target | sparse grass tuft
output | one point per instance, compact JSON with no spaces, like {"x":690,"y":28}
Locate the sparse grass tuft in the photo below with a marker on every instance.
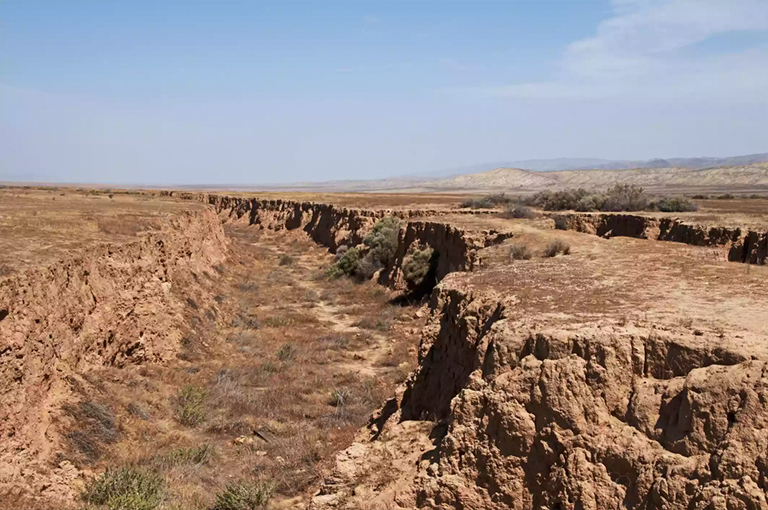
{"x":278,"y":321}
{"x":244,"y":495}
{"x":126,"y":489}
{"x":286,"y":352}
{"x":340,"y":397}
{"x":190,"y":406}
{"x":96,"y":426}
{"x":556,"y":247}
{"x":520,"y":252}
{"x":194,"y":455}
{"x":285,"y":260}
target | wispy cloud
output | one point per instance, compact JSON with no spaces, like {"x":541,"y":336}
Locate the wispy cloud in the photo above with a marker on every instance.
{"x":648,"y":49}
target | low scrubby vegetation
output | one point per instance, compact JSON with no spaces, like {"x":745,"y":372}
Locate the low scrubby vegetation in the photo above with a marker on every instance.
{"x":244,"y":495}
{"x":487,"y":201}
{"x":190,"y":406}
{"x":520,"y":252}
{"x":555,"y":247}
{"x":377,"y":252}
{"x":127,"y":488}
{"x":520,"y":211}
{"x":620,"y":197}
{"x":417,"y":265}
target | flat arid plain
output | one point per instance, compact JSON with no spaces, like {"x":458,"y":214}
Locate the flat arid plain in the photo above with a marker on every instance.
{"x":242,"y":350}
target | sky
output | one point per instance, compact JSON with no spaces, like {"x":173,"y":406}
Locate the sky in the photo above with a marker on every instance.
{"x":266,"y":92}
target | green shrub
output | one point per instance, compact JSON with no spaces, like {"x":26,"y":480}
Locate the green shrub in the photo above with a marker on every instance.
{"x":382,"y":245}
{"x":126,"y":489}
{"x":725,"y":196}
{"x":675,"y":204}
{"x":417,"y":265}
{"x":346,"y":263}
{"x":556,"y":247}
{"x":190,"y":406}
{"x":520,"y":252}
{"x":244,"y":495}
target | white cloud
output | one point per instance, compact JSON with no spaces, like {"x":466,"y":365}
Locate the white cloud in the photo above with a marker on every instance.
{"x":647,"y":49}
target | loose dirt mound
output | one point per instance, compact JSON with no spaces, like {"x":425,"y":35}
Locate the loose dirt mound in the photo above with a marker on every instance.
{"x":501,"y":414}
{"x":115,"y":305}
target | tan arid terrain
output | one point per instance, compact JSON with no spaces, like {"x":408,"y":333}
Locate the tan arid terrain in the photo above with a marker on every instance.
{"x":195,"y":345}
{"x":754,"y":176}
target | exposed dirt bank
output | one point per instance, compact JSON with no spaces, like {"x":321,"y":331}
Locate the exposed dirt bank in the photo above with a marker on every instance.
{"x":113,"y":306}
{"x":503,"y":414}
{"x":741,"y":245}
{"x":331,"y":226}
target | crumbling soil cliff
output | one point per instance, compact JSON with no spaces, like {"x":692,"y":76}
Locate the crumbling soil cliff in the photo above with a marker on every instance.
{"x":739,"y":245}
{"x":456,"y":249}
{"x":114,"y":305}
{"x":503,"y":413}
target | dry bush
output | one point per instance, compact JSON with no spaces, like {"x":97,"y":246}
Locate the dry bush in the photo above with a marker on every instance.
{"x":555,"y":247}
{"x":520,"y":252}
{"x":486,"y":202}
{"x":96,"y":427}
{"x":520,"y":211}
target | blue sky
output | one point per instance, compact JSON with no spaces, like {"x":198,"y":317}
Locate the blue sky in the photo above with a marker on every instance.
{"x":266,"y":92}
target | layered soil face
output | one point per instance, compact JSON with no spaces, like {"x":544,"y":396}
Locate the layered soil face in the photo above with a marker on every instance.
{"x":740,"y":244}
{"x":506,"y":413}
{"x":115,"y":305}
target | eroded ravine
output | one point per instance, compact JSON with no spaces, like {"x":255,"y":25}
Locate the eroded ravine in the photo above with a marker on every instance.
{"x":504,"y":410}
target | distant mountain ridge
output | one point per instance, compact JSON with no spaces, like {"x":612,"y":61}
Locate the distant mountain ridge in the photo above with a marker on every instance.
{"x":558,"y":164}
{"x":511,"y":179}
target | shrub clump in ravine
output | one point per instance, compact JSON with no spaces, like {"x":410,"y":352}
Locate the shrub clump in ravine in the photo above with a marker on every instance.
{"x":377,"y":252}
{"x":620,"y":197}
{"x":486,"y":201}
{"x":126,"y":488}
{"x":417,"y":265}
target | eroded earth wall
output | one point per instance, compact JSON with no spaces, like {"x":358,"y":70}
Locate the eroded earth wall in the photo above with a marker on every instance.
{"x":112,"y":306}
{"x":741,"y":245}
{"x":504,"y":414}
{"x":456,"y":249}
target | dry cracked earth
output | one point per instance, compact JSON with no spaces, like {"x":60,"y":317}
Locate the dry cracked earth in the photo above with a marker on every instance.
{"x":197,"y":342}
